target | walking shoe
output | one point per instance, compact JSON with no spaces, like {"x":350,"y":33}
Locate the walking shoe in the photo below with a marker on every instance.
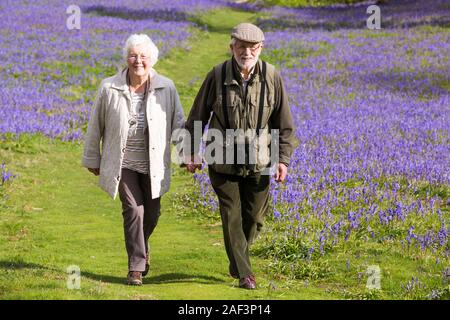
{"x":233,"y":272}
{"x":248,"y":282}
{"x":134,"y":278}
{"x":147,"y":265}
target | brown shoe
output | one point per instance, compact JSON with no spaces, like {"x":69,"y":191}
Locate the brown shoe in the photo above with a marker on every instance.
{"x":233,"y":272}
{"x":134,"y":278}
{"x":147,"y":265}
{"x":248,"y":282}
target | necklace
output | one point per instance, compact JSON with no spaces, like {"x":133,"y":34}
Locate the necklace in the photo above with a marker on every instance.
{"x":147,"y":83}
{"x":143,"y":104}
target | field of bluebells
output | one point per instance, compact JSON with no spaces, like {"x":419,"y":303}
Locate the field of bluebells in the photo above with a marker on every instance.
{"x":371,"y":108}
{"x":372,"y":112}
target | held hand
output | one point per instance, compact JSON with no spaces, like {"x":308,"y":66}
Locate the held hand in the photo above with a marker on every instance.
{"x":193,"y":163}
{"x":191,"y":167}
{"x":95,"y":171}
{"x":281,"y":173}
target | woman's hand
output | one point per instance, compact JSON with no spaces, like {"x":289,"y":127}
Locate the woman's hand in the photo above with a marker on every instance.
{"x":95,"y":171}
{"x":193,"y":163}
{"x":191,"y":167}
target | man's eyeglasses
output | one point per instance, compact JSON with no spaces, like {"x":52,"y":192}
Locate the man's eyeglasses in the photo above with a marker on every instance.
{"x":134,"y":57}
{"x":243,"y":47}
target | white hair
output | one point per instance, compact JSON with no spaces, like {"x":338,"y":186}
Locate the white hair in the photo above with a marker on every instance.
{"x":138,"y":39}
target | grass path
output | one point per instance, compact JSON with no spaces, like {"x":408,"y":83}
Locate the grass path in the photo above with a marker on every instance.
{"x":56,"y":216}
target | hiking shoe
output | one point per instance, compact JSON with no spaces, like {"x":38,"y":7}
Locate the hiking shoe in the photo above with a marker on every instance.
{"x":134,"y":278}
{"x":248,"y":282}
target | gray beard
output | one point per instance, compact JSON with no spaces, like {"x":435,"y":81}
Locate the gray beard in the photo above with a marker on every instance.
{"x":241,"y":66}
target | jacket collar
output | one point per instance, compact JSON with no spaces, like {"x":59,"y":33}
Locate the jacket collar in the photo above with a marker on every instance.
{"x":120,"y":81}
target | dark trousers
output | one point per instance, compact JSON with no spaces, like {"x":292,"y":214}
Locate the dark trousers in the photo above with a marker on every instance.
{"x":243,"y":203}
{"x":140,"y":216}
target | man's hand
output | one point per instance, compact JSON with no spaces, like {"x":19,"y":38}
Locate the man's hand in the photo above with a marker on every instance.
{"x":281,"y":173}
{"x":95,"y":171}
{"x":191,"y":167}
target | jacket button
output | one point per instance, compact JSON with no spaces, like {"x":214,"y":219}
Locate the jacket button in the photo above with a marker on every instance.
{"x":118,"y":178}
{"x":123,"y":150}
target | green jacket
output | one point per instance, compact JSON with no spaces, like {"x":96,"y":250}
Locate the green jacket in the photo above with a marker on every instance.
{"x":243,"y":112}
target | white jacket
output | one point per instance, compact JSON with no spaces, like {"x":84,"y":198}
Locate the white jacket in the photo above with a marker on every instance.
{"x":108,"y":131}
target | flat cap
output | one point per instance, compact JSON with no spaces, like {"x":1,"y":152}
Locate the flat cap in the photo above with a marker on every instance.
{"x":247,"y":32}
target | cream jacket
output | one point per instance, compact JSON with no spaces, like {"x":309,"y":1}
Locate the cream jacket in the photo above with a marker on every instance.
{"x":107,"y":131}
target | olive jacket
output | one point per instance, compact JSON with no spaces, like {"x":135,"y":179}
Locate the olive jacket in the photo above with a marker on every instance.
{"x":242,"y":111}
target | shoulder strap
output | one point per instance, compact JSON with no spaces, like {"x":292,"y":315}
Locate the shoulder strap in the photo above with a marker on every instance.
{"x":224,"y":96}
{"x":261,"y":97}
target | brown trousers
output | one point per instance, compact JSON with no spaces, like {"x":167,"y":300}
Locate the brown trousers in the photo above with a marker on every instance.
{"x":140,"y":216}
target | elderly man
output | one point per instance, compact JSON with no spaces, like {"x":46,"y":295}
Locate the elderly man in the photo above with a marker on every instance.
{"x":243,"y":93}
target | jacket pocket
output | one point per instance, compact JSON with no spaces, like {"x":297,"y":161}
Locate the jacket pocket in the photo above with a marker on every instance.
{"x":254,"y":110}
{"x":232,"y":112}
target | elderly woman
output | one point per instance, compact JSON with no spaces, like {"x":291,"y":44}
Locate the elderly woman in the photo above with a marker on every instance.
{"x":128,"y":145}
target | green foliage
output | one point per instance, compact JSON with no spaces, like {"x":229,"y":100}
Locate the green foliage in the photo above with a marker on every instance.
{"x":89,"y":74}
{"x":24,"y":143}
{"x":300,"y":269}
{"x":416,"y":289}
{"x":307,"y":3}
{"x":190,"y":200}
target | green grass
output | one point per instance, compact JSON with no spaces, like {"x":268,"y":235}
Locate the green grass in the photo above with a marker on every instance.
{"x":56,"y":216}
